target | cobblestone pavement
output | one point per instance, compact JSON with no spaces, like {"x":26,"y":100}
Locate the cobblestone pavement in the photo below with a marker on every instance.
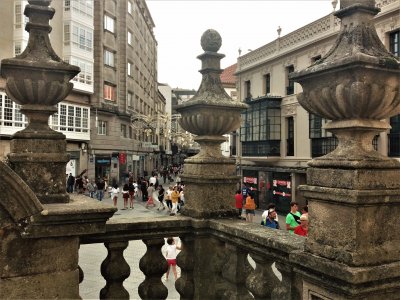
{"x":91,"y":256}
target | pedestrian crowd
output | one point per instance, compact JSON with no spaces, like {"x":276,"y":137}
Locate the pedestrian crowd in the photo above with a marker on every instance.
{"x":148,"y":190}
{"x":296,"y":222}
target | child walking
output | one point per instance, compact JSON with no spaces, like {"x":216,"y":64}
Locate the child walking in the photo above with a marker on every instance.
{"x":114,"y":194}
{"x":170,"y":255}
{"x":125,"y":195}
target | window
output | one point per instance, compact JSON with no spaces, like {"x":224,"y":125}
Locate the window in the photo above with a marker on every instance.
{"x":322,"y":141}
{"x":10,"y":114}
{"x":247,"y":91}
{"x":290,"y":137}
{"x":261,"y":129}
{"x":394,"y":136}
{"x":130,"y":132}
{"x":129,"y":38}
{"x":70,"y":118}
{"x":18,"y":16}
{"x":82,"y":7}
{"x":17,"y":49}
{"x":67,"y":5}
{"x":123,"y":130}
{"x":129,"y":68}
{"x":290,"y":85}
{"x":67,"y":34}
{"x":108,"y":58}
{"x":130,"y":99}
{"x":109,"y":23}
{"x":130,"y":7}
{"x":109,"y":92}
{"x":267,"y":81}
{"x":80,"y":36}
{"x":101,"y":127}
{"x":394,"y":43}
{"x":85,"y":76}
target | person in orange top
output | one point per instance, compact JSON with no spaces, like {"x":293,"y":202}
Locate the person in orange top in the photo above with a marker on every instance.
{"x":250,"y":206}
{"x":174,"y":199}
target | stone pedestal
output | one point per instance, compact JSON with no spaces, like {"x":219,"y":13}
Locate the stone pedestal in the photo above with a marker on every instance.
{"x":210,"y":178}
{"x":352,"y":250}
{"x":41,"y":164}
{"x":210,"y":187}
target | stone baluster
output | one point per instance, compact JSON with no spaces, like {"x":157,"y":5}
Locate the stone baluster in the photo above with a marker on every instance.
{"x":235,"y":272}
{"x":115,"y":270}
{"x":185,"y":260}
{"x":154,"y":266}
{"x":262,"y":280}
{"x":291,"y":285}
{"x":81,"y":274}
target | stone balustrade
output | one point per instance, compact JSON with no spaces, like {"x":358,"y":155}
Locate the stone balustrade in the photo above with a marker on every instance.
{"x":230,"y":242}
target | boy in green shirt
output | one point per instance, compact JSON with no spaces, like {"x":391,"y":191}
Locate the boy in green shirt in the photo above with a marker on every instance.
{"x":293,"y":218}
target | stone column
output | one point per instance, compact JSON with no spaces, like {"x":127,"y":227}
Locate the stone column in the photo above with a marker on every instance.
{"x":38,"y":79}
{"x":39,"y":224}
{"x":353,"y":192}
{"x":210,"y":178}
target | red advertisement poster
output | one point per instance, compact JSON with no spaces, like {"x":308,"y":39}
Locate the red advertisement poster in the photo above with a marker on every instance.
{"x":122,"y":158}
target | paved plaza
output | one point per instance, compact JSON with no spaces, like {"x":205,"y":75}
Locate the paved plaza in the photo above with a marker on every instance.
{"x":91,"y":256}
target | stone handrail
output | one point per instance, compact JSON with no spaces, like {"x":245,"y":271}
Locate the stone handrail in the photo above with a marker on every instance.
{"x":230,"y":242}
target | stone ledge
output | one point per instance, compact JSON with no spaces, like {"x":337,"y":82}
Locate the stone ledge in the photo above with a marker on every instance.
{"x":81,"y":216}
{"x":351,"y":197}
{"x":347,"y":280}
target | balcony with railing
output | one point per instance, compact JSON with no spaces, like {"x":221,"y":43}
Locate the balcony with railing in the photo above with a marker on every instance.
{"x":261,"y":148}
{"x":242,"y":257}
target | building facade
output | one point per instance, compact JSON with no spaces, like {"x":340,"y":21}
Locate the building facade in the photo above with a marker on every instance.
{"x":278,"y":137}
{"x":72,"y":40}
{"x":115,"y":47}
{"x":125,"y":75}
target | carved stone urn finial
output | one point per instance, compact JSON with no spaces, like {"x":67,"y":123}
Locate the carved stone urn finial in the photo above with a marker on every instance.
{"x":209,"y":115}
{"x":356,"y":86}
{"x":38,"y":79}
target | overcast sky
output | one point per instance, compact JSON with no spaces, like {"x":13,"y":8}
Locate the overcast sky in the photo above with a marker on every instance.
{"x":247,"y":24}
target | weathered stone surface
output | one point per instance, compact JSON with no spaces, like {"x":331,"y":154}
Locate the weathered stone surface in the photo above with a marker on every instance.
{"x":58,"y":285}
{"x":21,"y":257}
{"x":339,"y":281}
{"x":355,"y":236}
{"x":16,"y":198}
{"x":356,"y":179}
{"x":353,"y":192}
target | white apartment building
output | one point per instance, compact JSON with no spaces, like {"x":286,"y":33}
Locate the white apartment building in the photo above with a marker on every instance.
{"x":72,"y":40}
{"x":278,"y":137}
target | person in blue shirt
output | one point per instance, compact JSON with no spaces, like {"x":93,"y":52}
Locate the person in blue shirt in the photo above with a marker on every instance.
{"x":270,"y":220}
{"x":245,"y":191}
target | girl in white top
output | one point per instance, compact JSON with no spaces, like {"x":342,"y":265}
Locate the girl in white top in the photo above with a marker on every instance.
{"x":114,"y":194}
{"x":170,"y":255}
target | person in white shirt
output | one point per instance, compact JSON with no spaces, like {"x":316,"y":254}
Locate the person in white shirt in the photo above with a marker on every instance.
{"x":114,"y":194}
{"x":170,"y":255}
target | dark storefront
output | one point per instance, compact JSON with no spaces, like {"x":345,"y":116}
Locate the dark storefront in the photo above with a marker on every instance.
{"x":281,"y":190}
{"x":272,"y":186}
{"x":102,"y":166}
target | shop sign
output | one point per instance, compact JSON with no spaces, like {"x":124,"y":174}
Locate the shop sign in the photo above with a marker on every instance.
{"x":103,"y":161}
{"x":147,"y":144}
{"x":252,"y":180}
{"x":135,"y":157}
{"x":122,"y":158}
{"x":281,"y":183}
